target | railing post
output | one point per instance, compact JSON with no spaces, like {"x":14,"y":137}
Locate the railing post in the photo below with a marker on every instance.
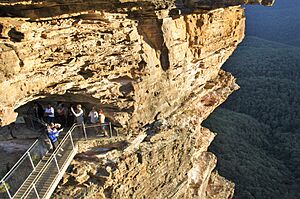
{"x":72,"y":140}
{"x":32,"y":124}
{"x":7,"y":190}
{"x":30,"y":160}
{"x":110,"y":129}
{"x":84,"y":130}
{"x":55,"y":160}
{"x":36,"y":192}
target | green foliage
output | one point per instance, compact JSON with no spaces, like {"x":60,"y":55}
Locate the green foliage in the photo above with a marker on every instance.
{"x":269,"y":76}
{"x":241,"y":146}
{"x":264,"y":158}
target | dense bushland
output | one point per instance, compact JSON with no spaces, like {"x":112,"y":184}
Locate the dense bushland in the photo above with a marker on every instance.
{"x":242,"y":149}
{"x":261,"y":155}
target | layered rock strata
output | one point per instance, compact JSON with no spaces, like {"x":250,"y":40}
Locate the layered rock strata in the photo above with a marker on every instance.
{"x":156,"y":73}
{"x":169,"y":161}
{"x":140,"y":68}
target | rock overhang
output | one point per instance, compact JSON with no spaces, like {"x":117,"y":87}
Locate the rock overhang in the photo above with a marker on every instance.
{"x":67,"y":63}
{"x":128,"y":62}
{"x":146,"y":23}
{"x":40,"y":9}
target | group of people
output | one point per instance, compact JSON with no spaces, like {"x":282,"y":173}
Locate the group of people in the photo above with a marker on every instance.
{"x":59,"y":117}
{"x":67,"y":116}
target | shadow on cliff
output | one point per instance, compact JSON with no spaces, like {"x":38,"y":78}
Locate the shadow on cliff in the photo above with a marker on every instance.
{"x":150,"y":28}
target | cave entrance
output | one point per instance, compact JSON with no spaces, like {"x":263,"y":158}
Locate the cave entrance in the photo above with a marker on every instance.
{"x":32,"y":117}
{"x":61,"y":105}
{"x":31,"y":125}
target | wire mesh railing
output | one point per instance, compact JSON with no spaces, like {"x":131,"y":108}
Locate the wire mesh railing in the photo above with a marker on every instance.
{"x":18,"y":174}
{"x":53,"y":168}
{"x":96,"y":130}
{"x":49,"y":171}
{"x":39,"y":186}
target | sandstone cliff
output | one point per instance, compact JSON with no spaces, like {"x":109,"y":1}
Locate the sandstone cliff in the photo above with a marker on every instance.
{"x":155,"y":68}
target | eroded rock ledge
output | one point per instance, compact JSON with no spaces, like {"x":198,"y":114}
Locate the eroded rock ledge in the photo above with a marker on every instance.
{"x":169,"y":161}
{"x":156,"y":72}
{"x":141,"y":68}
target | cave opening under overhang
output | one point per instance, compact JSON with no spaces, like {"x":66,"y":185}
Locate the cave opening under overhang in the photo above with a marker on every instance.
{"x":70,"y":99}
{"x":18,"y":136}
{"x":26,"y":111}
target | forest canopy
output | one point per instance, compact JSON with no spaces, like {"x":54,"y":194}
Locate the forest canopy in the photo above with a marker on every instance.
{"x":261,"y":155}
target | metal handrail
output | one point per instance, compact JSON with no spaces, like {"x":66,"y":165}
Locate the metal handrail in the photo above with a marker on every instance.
{"x":101,"y":124}
{"x":50,"y":158}
{"x":35,"y":142}
{"x":59,"y":168}
{"x":97,"y":124}
{"x":63,"y":141}
{"x":34,"y":119}
{"x":24,"y":155}
{"x":69,"y":133}
{"x":18,"y":162}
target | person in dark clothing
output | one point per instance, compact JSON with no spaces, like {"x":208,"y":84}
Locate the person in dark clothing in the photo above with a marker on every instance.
{"x":70,"y":116}
{"x":38,"y":110}
{"x":61,"y":114}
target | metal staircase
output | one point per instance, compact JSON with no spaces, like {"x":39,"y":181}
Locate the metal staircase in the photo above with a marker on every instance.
{"x":37,"y":173}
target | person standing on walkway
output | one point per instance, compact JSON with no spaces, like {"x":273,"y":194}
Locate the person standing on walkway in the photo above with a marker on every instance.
{"x":38,"y":110}
{"x":53,"y":134}
{"x":102,"y":121}
{"x":62,"y":114}
{"x":78,"y":113}
{"x":70,"y":116}
{"x":49,"y":113}
{"x":94,"y":117}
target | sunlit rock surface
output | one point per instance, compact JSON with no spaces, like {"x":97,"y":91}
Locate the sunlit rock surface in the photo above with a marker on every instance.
{"x":141,"y":68}
{"x":154,"y":66}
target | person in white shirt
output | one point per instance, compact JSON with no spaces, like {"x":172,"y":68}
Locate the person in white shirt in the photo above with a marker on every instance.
{"x":49,"y":113}
{"x":94,"y":117}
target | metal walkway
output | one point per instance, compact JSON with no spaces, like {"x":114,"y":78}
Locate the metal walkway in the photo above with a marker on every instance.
{"x":38,"y":172}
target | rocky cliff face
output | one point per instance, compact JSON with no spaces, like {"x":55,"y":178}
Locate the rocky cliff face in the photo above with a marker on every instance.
{"x":155,"y":69}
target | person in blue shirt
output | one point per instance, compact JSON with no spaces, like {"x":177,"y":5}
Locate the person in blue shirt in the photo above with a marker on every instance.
{"x":53,"y":134}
